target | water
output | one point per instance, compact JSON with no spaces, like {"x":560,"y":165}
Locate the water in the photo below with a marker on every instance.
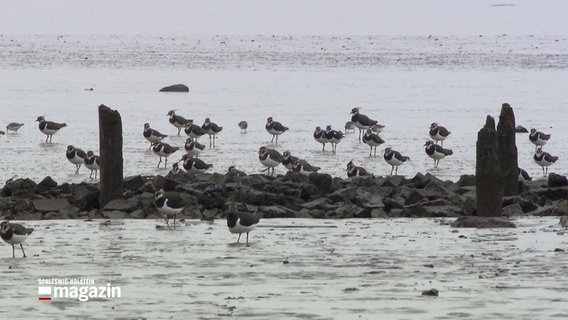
{"x":405,"y":83}
{"x":294,"y":269}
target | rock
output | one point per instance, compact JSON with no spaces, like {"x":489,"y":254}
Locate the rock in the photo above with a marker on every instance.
{"x":556,"y":180}
{"x":269,"y":212}
{"x":175,"y":88}
{"x":469,"y":207}
{"x":564,"y":221}
{"x":50,"y":205}
{"x":466,"y":180}
{"x":115,"y":214}
{"x":482,"y":222}
{"x":125,"y":205}
{"x":561,"y":208}
{"x":521,"y":129}
{"x":134,"y":183}
{"x":512,"y":210}
{"x":22,"y":188}
{"x":322,"y":182}
{"x":46,"y":184}
{"x":430,"y":292}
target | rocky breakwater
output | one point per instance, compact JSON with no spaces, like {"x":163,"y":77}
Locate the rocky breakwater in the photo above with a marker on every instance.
{"x":285,"y":196}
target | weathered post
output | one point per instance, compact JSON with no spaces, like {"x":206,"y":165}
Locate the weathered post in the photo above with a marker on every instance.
{"x":489,"y":182}
{"x":110,"y":144}
{"x":507,"y":150}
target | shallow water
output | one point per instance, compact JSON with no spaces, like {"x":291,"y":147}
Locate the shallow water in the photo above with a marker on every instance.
{"x":301,"y":269}
{"x":405,"y":83}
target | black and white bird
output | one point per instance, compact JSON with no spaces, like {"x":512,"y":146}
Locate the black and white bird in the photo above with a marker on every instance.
{"x":438,"y":133}
{"x":152,"y":135}
{"x":303,"y":167}
{"x":177,"y":121}
{"x":524,"y":175}
{"x":14,"y":127}
{"x":356,"y":171}
{"x":194,"y":164}
{"x":538,"y":138}
{"x":395,"y":159}
{"x":320,"y":137}
{"x":49,"y":128}
{"x":93,"y":163}
{"x":377,"y":128}
{"x":194,"y":130}
{"x":275,"y":128}
{"x":212,"y":130}
{"x":13,"y":233}
{"x":193,"y":147}
{"x":361,"y":121}
{"x":544,"y":159}
{"x":240,"y":222}
{"x":165,"y":150}
{"x":288,"y":160}
{"x":233,"y":171}
{"x":269,"y":158}
{"x":243,"y":125}
{"x":372,"y":140}
{"x":436,"y":152}
{"x":76,"y":156}
{"x":169,"y":204}
{"x":175,"y":169}
{"x":333,"y":137}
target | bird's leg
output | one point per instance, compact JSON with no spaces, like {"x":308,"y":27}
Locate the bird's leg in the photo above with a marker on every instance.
{"x":396,"y":171}
{"x":360,"y":134}
{"x":159,"y":162}
{"x":91,"y":175}
{"x":247,"y":238}
{"x":13,"y":254}
{"x":276,"y":140}
{"x":392,"y":168}
{"x":22,"y":247}
{"x":323,"y":149}
{"x":239,"y":238}
{"x":442,"y":143}
{"x":166,"y":162}
{"x":179,"y":130}
{"x":175,"y":220}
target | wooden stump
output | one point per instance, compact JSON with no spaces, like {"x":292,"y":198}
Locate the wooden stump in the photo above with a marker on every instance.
{"x":110,"y":144}
{"x":507,"y":150}
{"x":488,"y":177}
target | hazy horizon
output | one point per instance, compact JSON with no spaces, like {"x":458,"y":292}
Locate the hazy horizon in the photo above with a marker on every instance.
{"x":292,"y":17}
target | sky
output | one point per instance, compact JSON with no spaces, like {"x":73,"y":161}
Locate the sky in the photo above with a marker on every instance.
{"x":284,"y":17}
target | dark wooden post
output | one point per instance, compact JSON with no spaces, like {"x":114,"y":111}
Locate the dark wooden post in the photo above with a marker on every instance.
{"x":110,"y":144}
{"x":507,"y":149}
{"x":489,"y":182}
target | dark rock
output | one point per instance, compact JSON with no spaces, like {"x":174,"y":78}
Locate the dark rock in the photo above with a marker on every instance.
{"x":269,"y":212}
{"x":556,"y":180}
{"x":521,"y":129}
{"x":430,"y":292}
{"x":175,"y":88}
{"x":22,"y":188}
{"x":322,"y":182}
{"x":420,"y":180}
{"x":393,"y":181}
{"x":134,"y":183}
{"x":49,"y":205}
{"x":391,"y":204}
{"x":469,"y":207}
{"x":125,"y":205}
{"x":564,"y":221}
{"x":466,"y":180}
{"x":482,"y":222}
{"x":46,"y":184}
{"x":416,"y":196}
{"x":512,"y":210}
{"x":561,"y":208}
{"x":115,"y":214}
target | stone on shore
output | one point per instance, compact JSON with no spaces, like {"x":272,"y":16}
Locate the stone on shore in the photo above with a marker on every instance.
{"x":175,"y":88}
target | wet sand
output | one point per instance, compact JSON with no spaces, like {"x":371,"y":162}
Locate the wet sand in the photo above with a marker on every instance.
{"x":294,"y":269}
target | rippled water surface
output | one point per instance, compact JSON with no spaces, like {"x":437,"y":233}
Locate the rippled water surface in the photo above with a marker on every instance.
{"x":293,"y":269}
{"x":405,"y":83}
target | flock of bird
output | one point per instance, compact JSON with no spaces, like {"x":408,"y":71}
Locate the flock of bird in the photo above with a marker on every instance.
{"x":242,"y":222}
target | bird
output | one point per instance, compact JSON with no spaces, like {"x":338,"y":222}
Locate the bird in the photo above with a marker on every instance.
{"x":76,"y":156}
{"x":14,"y":127}
{"x":523,"y":175}
{"x":212,"y":130}
{"x":240,"y":222}
{"x":372,"y":140}
{"x":355,"y":171}
{"x":395,"y":159}
{"x":538,"y":138}
{"x":438,"y":133}
{"x":93,"y":163}
{"x":243,"y":125}
{"x":175,"y":169}
{"x":333,"y":136}
{"x":194,"y":131}
{"x":349,"y":126}
{"x":288,"y":160}
{"x":169,"y":204}
{"x":436,"y":152}
{"x":275,"y":128}
{"x":544,"y":159}
{"x":319,"y":136}
{"x":377,"y":128}
{"x":49,"y":128}
{"x":361,"y":121}
{"x":303,"y":167}
{"x":163,"y":149}
{"x":13,"y":233}
{"x":177,"y":121}
{"x":193,"y":164}
{"x":233,"y":171}
{"x":269,"y":158}
{"x":193,"y":147}
{"x":152,"y":135}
